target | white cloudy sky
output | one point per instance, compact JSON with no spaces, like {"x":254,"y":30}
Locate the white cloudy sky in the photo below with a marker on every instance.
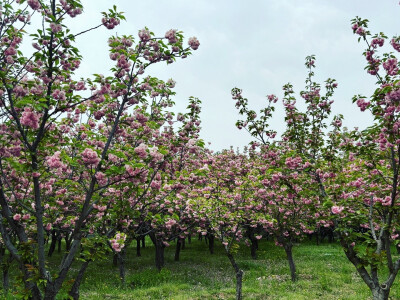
{"x":257,"y":45}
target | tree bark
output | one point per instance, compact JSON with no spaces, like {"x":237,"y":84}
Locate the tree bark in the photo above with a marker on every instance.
{"x":121,"y":261}
{"x":178,"y":249}
{"x":59,"y":244}
{"x":183,"y":244}
{"x":68,"y":241}
{"x":378,"y":293}
{"x":239,"y":275}
{"x":5,"y":263}
{"x":138,"y":254}
{"x":159,"y":254}
{"x":55,"y":235}
{"x":74,"y":292}
{"x":292,"y":266}
{"x":211,"y":243}
{"x":115,"y":259}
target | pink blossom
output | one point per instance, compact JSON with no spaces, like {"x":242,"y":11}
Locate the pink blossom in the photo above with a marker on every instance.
{"x":101,"y":178}
{"x":141,"y":151}
{"x":55,"y":27}
{"x":360,"y":31}
{"x":362,"y":104}
{"x":171,"y":36}
{"x":157,"y":156}
{"x":391,"y":66}
{"x":90,"y":157}
{"x":337,"y":209}
{"x":395,"y":44}
{"x":17,"y":217}
{"x":34,"y":4}
{"x":144,"y":35}
{"x":54,"y":161}
{"x":116,"y":247}
{"x":194,"y":43}
{"x":30,"y":118}
{"x":110,"y":23}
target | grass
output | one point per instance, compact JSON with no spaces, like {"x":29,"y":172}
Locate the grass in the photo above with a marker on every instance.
{"x":324,"y":273}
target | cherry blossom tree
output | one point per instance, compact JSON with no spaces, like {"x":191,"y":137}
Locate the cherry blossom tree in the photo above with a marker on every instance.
{"x":59,"y":135}
{"x":368,"y":187}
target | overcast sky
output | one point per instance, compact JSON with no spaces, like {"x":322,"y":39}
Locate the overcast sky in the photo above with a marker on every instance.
{"x":256,"y":45}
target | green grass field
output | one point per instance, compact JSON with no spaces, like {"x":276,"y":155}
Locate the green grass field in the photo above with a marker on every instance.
{"x":324,"y":273}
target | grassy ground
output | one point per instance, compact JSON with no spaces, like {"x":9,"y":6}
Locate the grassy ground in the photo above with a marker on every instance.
{"x":324,"y":273}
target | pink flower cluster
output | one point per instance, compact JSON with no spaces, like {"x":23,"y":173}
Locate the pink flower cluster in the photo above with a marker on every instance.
{"x":141,"y":151}
{"x":293,"y":162}
{"x":157,"y":156}
{"x":395,"y":44}
{"x":71,"y":11}
{"x":55,"y":27}
{"x":362,"y":104}
{"x":101,"y":178}
{"x":394,"y":96}
{"x":373,"y":62}
{"x":54,"y":161}
{"x":272,"y":98}
{"x":358,"y":30}
{"x":110,"y":23}
{"x":377,"y":42}
{"x":30,"y":118}
{"x":144,"y":35}
{"x":387,"y":201}
{"x":337,"y":209}
{"x":117,"y":243}
{"x":90,"y":157}
{"x":34,"y":4}
{"x":391,"y":66}
{"x":171,"y":36}
{"x":194,"y":43}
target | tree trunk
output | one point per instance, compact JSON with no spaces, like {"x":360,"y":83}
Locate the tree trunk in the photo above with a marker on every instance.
{"x":6,"y":279}
{"x":159,"y":255}
{"x":68,"y":241}
{"x":253,"y":241}
{"x":253,"y":249}
{"x":211,"y":243}
{"x":50,"y":294}
{"x":6,"y":267}
{"x":74,"y":292}
{"x":183,"y":243}
{"x":239,"y":275}
{"x":115,"y":259}
{"x":138,"y":254}
{"x":143,"y":242}
{"x":59,"y":244}
{"x":54,"y":239}
{"x":178,"y":249}
{"x":292,"y":266}
{"x":121,"y":261}
{"x":190,"y":238}
{"x":380,"y":294}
